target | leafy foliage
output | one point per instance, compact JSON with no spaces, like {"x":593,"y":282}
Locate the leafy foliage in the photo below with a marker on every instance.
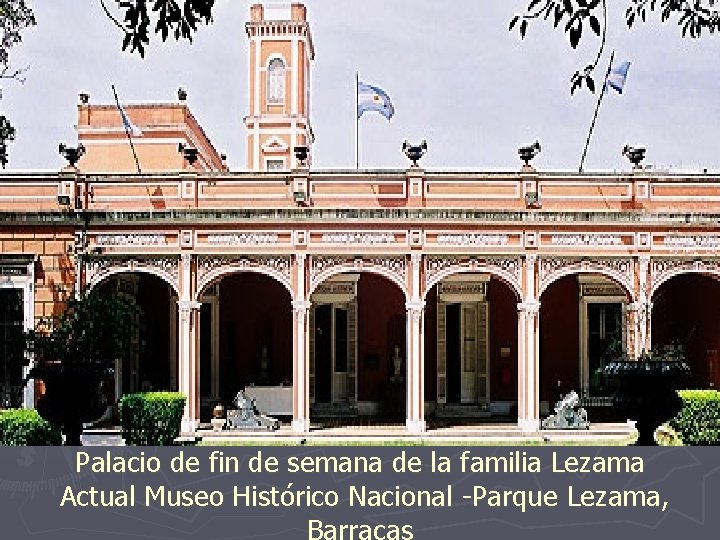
{"x":7,"y":135}
{"x":151,"y":418}
{"x":27,"y":428}
{"x":693,"y":16}
{"x":698,"y":423}
{"x":77,"y":353}
{"x":15,"y":16}
{"x":179,"y":19}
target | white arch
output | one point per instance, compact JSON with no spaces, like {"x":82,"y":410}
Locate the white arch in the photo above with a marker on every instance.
{"x":467,"y":268}
{"x":350,"y":268}
{"x":222,"y":271}
{"x":574,"y":269}
{"x":113,"y":271}
{"x":709,"y":271}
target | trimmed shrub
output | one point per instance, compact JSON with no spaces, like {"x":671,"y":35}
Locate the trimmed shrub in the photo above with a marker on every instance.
{"x":698,"y":423}
{"x":24,"y":427}
{"x":151,"y":418}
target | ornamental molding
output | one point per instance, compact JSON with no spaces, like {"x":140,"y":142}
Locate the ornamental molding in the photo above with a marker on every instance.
{"x":165,"y":267}
{"x":131,"y":239}
{"x":621,"y":269}
{"x":662,"y":269}
{"x":696,"y":241}
{"x":601,"y":240}
{"x":242,"y":239}
{"x":358,"y":238}
{"x":438,"y":267}
{"x":473,"y":239}
{"x":394,"y":268}
{"x":211,"y":267}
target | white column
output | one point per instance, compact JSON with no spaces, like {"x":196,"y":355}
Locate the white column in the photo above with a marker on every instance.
{"x":528,"y":367}
{"x":301,"y":394}
{"x":188,"y":320}
{"x":187,"y":348}
{"x":644,"y":307}
{"x":29,"y":324}
{"x":301,"y":375}
{"x":415,"y":408}
{"x":528,"y":353}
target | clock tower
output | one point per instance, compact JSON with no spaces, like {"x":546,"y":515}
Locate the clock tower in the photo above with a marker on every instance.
{"x":280,"y":53}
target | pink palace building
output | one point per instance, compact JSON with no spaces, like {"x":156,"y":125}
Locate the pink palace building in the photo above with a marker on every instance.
{"x":406,"y":295}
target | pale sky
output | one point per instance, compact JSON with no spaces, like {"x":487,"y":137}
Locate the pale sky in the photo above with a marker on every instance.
{"x":456,"y":76}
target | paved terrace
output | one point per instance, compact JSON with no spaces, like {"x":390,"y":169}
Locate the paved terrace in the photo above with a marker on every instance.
{"x":461,"y":435}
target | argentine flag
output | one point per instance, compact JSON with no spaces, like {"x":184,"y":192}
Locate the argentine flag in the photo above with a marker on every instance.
{"x":617,"y":76}
{"x":372,"y":98}
{"x":130,"y":128}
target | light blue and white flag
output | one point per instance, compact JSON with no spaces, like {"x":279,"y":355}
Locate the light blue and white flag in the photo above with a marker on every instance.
{"x":617,"y":76}
{"x":372,"y":98}
{"x":130,"y":128}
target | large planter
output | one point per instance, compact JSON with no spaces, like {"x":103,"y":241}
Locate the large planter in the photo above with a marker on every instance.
{"x":72,"y":396}
{"x":646,"y":391}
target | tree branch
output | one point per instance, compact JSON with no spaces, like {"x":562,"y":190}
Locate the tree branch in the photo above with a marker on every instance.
{"x":112,"y":17}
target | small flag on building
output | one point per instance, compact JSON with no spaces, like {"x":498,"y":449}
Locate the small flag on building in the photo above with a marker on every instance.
{"x":130,"y":128}
{"x":617,"y":76}
{"x":373,"y":98}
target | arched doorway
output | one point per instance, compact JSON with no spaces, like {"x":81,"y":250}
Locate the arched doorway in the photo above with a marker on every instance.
{"x":245,"y":343}
{"x":471,"y":356}
{"x":685,"y":321}
{"x":583,"y":325}
{"x":357,"y":345}
{"x":153,"y":366}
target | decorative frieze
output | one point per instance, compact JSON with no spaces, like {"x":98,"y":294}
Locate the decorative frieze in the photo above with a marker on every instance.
{"x":463,"y":288}
{"x":698,"y":241}
{"x":131,"y":239}
{"x":662,"y":269}
{"x":358,"y":238}
{"x":601,"y":289}
{"x":242,"y":239}
{"x":586,"y":240}
{"x":98,"y":268}
{"x":437,"y":268}
{"x":473,"y":239}
{"x":321,"y":267}
{"x":279,"y":265}
{"x":337,"y":288}
{"x":553,"y":268}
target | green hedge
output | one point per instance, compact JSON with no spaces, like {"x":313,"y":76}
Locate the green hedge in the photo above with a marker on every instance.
{"x":698,"y":423}
{"x":151,"y":418}
{"x":23,"y":427}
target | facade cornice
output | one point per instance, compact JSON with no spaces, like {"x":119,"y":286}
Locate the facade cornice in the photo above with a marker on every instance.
{"x":399,"y":216}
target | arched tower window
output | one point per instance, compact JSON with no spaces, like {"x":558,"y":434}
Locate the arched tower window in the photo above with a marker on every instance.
{"x":276,"y":81}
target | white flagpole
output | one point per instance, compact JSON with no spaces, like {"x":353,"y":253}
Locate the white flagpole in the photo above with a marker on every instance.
{"x":357,"y":123}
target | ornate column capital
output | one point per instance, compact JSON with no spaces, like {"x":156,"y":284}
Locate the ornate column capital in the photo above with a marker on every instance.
{"x":301,"y":306}
{"x":415,"y":305}
{"x":188,"y":305}
{"x":530,"y":306}
{"x":415,"y":309}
